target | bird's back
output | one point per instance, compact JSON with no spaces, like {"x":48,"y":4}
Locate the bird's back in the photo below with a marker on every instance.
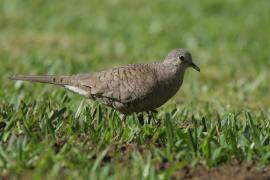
{"x":125,"y":88}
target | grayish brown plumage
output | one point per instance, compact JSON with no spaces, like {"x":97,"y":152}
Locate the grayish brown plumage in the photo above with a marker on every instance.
{"x":130,"y":88}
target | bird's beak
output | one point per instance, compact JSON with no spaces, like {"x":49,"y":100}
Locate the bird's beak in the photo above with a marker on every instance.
{"x":194,"y":66}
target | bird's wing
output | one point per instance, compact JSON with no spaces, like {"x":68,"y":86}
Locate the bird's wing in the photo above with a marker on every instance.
{"x":123,"y":84}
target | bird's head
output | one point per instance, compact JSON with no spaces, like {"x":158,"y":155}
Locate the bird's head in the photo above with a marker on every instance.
{"x":181,"y":58}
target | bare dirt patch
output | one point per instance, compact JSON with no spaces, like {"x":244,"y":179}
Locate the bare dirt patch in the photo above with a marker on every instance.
{"x":227,"y":171}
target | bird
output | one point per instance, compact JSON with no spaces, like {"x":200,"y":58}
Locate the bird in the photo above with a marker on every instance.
{"x":132,"y":88}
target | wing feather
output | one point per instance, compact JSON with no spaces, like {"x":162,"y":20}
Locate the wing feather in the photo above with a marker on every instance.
{"x":123,"y":84}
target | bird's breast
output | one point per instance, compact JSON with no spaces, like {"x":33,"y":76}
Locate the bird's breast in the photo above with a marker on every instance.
{"x":168,"y":89}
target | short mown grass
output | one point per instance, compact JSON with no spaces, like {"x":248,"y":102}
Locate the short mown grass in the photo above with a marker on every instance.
{"x":219,"y":115}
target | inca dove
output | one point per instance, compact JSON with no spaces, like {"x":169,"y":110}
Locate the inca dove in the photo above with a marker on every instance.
{"x":130,"y":88}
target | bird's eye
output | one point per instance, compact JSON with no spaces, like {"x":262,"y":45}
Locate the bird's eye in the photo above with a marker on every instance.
{"x":182,"y":58}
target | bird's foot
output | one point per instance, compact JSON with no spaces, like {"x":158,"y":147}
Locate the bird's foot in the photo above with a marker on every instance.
{"x":151,"y":115}
{"x":140,"y":118}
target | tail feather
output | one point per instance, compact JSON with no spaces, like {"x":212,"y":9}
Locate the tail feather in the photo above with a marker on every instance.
{"x":58,"y":80}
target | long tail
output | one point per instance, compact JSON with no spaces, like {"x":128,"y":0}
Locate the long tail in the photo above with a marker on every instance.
{"x":58,"y":80}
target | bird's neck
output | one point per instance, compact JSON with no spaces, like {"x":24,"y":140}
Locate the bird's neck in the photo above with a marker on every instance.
{"x":170,"y":79}
{"x":169,"y":73}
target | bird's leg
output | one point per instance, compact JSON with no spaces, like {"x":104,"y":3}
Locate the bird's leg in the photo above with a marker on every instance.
{"x":123,"y":118}
{"x":140,"y":118}
{"x":151,"y":113}
{"x":154,"y":111}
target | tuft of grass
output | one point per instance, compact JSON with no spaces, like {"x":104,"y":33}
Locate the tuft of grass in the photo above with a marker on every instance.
{"x":45,"y":139}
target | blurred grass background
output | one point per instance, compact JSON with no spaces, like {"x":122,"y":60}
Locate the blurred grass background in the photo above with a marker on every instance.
{"x":229,"y":40}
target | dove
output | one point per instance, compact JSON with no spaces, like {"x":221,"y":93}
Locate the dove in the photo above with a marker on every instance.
{"x":130,"y":88}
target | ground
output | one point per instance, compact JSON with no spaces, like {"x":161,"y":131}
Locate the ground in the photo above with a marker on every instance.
{"x":217,"y":126}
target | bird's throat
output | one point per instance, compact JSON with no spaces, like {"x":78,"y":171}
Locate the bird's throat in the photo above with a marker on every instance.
{"x":171,"y":78}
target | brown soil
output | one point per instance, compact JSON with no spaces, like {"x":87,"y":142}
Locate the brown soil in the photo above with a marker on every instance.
{"x":59,"y":144}
{"x":229,"y":171}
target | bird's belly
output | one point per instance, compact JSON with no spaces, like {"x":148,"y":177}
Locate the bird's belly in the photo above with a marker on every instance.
{"x":150,"y":102}
{"x":161,"y":99}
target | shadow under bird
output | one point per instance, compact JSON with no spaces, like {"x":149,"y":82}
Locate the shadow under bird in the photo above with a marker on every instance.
{"x":129,"y":89}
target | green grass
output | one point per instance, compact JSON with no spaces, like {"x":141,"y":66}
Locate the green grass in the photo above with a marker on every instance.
{"x":219,"y":115}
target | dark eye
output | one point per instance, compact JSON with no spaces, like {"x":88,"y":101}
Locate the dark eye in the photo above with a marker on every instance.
{"x":182,"y":58}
